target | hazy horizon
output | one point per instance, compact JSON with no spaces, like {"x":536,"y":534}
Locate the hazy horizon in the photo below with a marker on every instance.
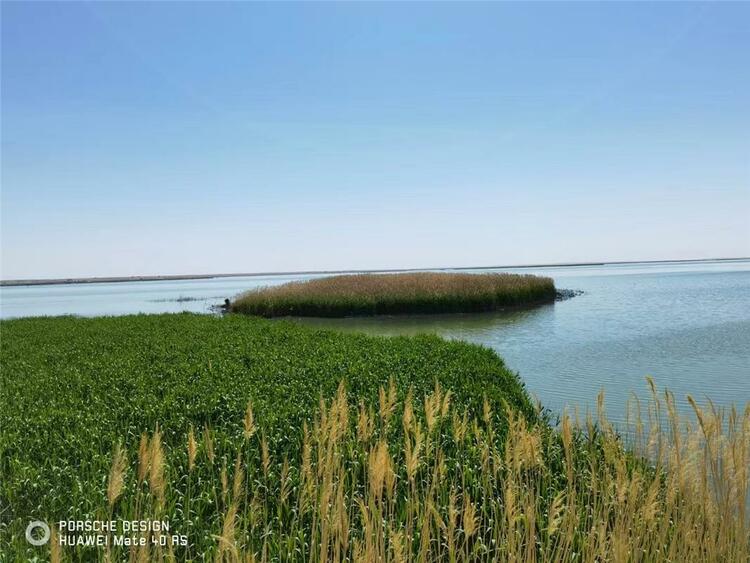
{"x":192,"y":138}
{"x":136,"y":277}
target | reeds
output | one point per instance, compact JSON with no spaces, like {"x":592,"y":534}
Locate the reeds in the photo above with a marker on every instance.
{"x":117,"y":475}
{"x":389,"y":294}
{"x":421,"y":480}
{"x":71,"y":389}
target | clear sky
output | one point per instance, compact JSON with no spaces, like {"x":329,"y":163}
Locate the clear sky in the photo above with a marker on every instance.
{"x":167,"y":138}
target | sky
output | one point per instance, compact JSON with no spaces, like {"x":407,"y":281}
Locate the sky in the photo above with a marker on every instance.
{"x":178,"y":138}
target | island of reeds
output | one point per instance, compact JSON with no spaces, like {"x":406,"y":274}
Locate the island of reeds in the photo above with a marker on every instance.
{"x":393,"y":294}
{"x":269,"y":441}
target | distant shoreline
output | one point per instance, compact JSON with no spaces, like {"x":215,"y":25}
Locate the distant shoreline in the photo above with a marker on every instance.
{"x":179,"y":277}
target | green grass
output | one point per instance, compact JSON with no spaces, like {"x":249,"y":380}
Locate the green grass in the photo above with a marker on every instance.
{"x":71,"y":388}
{"x":392,"y":294}
{"x":268,"y":441}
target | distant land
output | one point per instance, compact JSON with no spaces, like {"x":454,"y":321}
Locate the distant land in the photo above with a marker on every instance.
{"x":121,"y":279}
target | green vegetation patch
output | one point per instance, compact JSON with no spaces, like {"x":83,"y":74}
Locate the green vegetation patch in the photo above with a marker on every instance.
{"x":392,"y":294}
{"x":71,"y":388}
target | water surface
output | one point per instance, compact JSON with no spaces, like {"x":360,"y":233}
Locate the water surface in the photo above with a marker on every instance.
{"x":687,"y":326}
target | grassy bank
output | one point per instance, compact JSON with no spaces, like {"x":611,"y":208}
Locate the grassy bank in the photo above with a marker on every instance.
{"x":421,"y":450}
{"x":72,"y":388}
{"x":392,"y":294}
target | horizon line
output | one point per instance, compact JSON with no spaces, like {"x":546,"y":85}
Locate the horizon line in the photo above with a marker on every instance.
{"x":175,"y":277}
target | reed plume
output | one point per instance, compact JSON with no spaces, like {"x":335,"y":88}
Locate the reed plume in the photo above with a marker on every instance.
{"x":208,"y":443}
{"x":144,"y":457}
{"x":156,"y":479}
{"x":192,"y":448}
{"x":490,"y":486}
{"x":249,"y":421}
{"x":116,"y":474}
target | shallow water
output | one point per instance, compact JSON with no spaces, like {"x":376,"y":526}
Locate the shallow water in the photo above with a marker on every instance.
{"x":686,"y":324}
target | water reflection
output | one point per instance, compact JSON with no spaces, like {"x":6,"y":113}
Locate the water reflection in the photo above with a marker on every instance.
{"x":474,"y":326}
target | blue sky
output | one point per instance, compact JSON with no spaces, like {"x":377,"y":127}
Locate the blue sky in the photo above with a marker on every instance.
{"x":171,"y":138}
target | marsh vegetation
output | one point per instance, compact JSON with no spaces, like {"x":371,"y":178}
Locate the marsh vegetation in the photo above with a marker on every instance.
{"x":392,"y":294}
{"x":267,"y":441}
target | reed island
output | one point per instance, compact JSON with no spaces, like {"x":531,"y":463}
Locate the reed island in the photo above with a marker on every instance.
{"x":393,"y":294}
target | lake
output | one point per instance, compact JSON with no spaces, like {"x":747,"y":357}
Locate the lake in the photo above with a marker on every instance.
{"x":686,"y":324}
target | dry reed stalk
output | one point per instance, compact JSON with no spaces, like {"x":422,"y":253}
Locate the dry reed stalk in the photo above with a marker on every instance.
{"x":208,"y":443}
{"x":227,"y":542}
{"x":238,"y":480}
{"x":468,"y":492}
{"x":156,"y":479}
{"x":116,"y":479}
{"x":249,"y":421}
{"x":192,"y":449}
{"x":55,"y":550}
{"x":224,"y":479}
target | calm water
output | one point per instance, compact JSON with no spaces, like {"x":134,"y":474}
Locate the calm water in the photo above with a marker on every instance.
{"x":687,"y":325}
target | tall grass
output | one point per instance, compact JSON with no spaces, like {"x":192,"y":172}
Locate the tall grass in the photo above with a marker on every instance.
{"x":410,"y":481}
{"x":72,"y":389}
{"x":241,"y":434}
{"x":388,"y":294}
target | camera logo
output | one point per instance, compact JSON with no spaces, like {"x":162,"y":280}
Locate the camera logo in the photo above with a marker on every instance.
{"x":39,"y":538}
